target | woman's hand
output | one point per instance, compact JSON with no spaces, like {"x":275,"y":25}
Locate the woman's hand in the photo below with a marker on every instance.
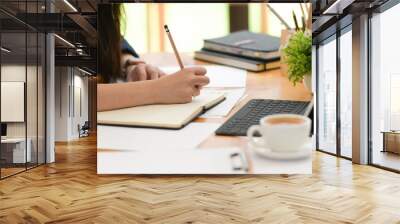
{"x":181,"y":86}
{"x":136,"y":69}
{"x":142,"y":71}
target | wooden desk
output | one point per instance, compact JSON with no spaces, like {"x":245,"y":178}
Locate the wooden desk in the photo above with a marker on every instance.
{"x":391,"y":141}
{"x":269,"y":85}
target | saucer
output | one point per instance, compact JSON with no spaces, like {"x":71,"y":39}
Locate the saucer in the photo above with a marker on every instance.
{"x":303,"y":152}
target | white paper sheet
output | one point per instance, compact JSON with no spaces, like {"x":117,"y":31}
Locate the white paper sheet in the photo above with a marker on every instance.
{"x":193,"y":161}
{"x":233,"y":96}
{"x":220,"y":76}
{"x":176,"y":161}
{"x":146,"y":139}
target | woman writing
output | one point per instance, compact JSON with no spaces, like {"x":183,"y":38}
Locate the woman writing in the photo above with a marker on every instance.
{"x":127,"y":81}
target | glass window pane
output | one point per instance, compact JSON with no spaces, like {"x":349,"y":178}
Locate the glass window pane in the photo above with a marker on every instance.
{"x":327,"y":97}
{"x":144,"y":25}
{"x":285,"y":10}
{"x":385,"y":89}
{"x":346,"y":94}
{"x":189,"y":37}
{"x":22,"y":91}
{"x":31,"y":98}
{"x":135,"y":24}
{"x":13,"y":87}
{"x":257,"y":12}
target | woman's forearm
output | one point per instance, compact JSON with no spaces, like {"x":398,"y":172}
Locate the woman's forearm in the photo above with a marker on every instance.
{"x":179,"y":87}
{"x":122,"y":95}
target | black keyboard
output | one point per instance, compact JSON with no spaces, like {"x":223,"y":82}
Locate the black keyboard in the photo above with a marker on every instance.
{"x":251,"y":114}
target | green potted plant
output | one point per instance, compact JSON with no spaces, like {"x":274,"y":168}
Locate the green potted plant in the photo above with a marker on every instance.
{"x":297,"y":55}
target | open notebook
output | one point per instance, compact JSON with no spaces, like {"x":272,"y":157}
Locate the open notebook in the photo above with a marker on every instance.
{"x":174,"y":116}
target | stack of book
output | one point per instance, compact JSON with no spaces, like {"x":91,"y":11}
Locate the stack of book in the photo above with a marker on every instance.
{"x":242,"y":49}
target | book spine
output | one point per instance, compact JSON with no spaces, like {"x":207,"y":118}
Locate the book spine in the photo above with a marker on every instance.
{"x":230,"y":62}
{"x":241,"y":52}
{"x":273,"y":65}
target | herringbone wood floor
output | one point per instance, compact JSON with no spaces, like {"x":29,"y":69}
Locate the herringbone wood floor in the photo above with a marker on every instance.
{"x":69,"y":191}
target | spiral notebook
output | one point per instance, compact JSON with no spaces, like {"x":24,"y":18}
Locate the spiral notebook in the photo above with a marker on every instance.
{"x":172,"y":116}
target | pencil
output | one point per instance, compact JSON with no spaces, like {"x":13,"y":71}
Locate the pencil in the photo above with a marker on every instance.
{"x":171,"y":40}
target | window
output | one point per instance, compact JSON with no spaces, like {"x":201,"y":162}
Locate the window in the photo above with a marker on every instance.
{"x":394,"y":102}
{"x":346,"y":93}
{"x":202,"y":21}
{"x":144,"y":25}
{"x":385,"y":89}
{"x":22,"y":76}
{"x":327,"y":96}
{"x":274,"y":26}
{"x":257,"y":13}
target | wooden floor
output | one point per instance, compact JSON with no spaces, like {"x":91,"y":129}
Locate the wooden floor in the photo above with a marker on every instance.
{"x":69,"y":191}
{"x":386,"y":159}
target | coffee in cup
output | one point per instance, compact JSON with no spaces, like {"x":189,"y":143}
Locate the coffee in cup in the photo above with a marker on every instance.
{"x":281,"y":132}
{"x":284,"y":120}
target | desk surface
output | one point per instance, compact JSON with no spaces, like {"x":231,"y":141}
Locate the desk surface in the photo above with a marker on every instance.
{"x":13,"y":140}
{"x":269,"y":85}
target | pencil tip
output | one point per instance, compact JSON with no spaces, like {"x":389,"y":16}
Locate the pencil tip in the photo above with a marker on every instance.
{"x":166,"y":27}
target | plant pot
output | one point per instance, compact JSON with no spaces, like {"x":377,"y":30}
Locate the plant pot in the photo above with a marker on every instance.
{"x":307,"y":82}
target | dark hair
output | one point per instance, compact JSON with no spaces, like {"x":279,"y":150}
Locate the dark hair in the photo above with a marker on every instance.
{"x":109,"y":42}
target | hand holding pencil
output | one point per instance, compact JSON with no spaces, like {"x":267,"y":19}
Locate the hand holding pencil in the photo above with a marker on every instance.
{"x":178,"y":58}
{"x":193,"y":77}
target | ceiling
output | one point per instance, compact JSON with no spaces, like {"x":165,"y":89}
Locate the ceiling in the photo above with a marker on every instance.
{"x":23,"y":22}
{"x":332,"y":15}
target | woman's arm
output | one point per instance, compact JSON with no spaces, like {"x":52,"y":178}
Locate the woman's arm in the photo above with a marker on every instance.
{"x":179,"y":87}
{"x":128,"y":94}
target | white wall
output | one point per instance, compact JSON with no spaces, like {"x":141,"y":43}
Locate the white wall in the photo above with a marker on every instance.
{"x":61,"y":103}
{"x":33,"y":127}
{"x":69,"y":82}
{"x":11,"y":73}
{"x":16,"y":73}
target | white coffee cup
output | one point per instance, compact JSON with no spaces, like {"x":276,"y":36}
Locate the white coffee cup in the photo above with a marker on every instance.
{"x":281,"y":132}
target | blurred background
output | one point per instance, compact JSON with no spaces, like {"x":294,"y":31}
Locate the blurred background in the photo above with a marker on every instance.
{"x":191,"y":23}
